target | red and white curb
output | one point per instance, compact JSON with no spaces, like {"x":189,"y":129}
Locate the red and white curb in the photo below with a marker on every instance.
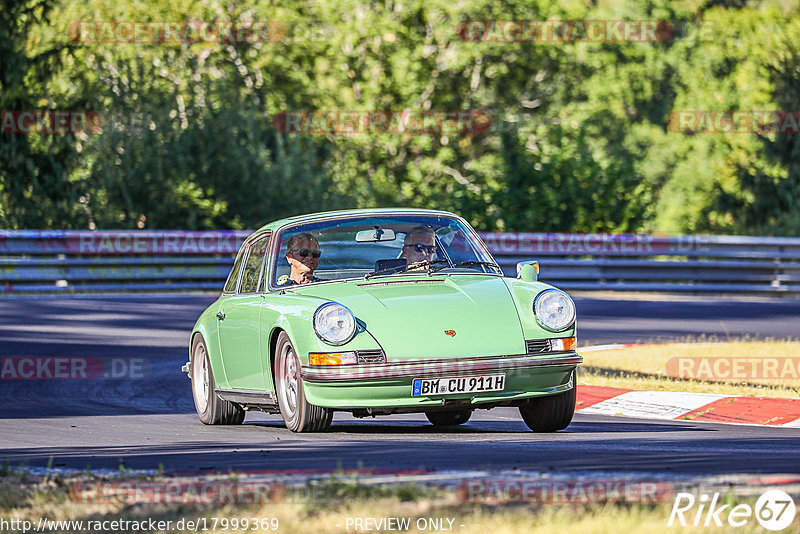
{"x":709,"y":407}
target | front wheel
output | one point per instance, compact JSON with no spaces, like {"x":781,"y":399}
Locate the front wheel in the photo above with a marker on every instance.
{"x":298,"y":414}
{"x":551,"y":413}
{"x":210,"y":408}
{"x":449,"y":418}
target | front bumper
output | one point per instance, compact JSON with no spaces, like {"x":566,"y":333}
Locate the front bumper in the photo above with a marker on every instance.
{"x":389,"y":385}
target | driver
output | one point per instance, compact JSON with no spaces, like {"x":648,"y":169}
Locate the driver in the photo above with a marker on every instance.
{"x":419,"y":246}
{"x":302,"y":254}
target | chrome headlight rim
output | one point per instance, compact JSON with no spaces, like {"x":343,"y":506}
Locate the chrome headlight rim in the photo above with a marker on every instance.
{"x":541,"y":323}
{"x":323,"y":338}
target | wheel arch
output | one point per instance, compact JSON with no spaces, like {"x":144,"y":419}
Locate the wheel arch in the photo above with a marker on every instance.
{"x":272,"y":353}
{"x":212,"y":349}
{"x":280,"y":324}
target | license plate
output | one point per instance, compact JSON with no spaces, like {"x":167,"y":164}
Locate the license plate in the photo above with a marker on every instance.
{"x":453,"y":385}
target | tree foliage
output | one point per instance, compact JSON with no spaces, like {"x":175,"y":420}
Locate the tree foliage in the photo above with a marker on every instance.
{"x":579,"y":139}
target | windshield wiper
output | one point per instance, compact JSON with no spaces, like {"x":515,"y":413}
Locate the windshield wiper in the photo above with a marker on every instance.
{"x":414,"y":266}
{"x":469,"y":262}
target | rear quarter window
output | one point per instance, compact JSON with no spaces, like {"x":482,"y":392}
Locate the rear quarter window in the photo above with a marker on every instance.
{"x":230,"y":285}
{"x":252,"y":266}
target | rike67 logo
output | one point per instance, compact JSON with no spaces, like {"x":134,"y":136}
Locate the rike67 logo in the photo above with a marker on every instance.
{"x":774,"y":510}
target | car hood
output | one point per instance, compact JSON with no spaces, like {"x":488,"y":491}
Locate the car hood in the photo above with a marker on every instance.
{"x":420,"y":317}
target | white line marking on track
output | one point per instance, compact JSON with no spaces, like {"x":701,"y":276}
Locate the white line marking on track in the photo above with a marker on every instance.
{"x":655,"y":404}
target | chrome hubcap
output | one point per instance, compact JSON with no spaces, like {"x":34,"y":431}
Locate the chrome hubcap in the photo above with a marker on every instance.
{"x":200,"y":378}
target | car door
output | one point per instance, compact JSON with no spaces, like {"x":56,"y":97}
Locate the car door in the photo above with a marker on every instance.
{"x":240,"y":324}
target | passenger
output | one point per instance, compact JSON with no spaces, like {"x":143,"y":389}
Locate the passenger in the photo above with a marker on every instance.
{"x":419,"y":246}
{"x":302,"y":254}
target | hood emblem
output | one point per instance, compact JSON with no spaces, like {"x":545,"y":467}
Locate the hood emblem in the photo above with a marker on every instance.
{"x":451,"y":333}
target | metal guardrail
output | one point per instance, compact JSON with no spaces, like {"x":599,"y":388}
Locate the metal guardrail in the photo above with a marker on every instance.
{"x":657,"y":262}
{"x":46,"y":261}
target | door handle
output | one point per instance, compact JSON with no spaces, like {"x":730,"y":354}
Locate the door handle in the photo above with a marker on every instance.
{"x":220,"y":316}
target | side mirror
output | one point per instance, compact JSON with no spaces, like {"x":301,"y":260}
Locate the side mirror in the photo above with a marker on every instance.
{"x":528,"y":271}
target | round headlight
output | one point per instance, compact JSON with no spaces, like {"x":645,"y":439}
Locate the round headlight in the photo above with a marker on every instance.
{"x":334,"y":324}
{"x":554,"y":310}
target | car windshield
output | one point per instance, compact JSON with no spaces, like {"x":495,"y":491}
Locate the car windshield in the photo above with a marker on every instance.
{"x":375,"y":246}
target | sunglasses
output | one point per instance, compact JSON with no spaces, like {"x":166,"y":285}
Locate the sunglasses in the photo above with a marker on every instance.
{"x":304,"y":252}
{"x":429,"y":249}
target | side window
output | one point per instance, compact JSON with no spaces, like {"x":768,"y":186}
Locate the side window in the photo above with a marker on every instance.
{"x":230,"y":285}
{"x":252,"y":267}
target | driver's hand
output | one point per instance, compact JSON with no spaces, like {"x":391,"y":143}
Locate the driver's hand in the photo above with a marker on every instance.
{"x":417,"y":265}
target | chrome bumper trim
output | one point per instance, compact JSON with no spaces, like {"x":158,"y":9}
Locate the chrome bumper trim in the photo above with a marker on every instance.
{"x":421,"y":369}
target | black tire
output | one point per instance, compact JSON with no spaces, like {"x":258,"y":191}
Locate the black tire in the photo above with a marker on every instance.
{"x":551,"y":413}
{"x":449,"y":418}
{"x":210,"y":408}
{"x":298,"y":414}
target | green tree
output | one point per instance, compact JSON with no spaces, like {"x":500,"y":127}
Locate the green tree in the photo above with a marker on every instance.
{"x":36,"y":187}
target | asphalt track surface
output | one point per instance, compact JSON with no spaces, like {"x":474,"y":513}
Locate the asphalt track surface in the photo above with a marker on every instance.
{"x":146,"y":422}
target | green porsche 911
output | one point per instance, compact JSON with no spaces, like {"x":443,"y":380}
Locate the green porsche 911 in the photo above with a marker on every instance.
{"x":378,"y":312}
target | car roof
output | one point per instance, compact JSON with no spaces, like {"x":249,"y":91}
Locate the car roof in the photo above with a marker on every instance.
{"x":275,"y":225}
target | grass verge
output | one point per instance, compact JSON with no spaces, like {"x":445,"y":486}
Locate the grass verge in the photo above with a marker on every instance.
{"x":426,"y":509}
{"x":647,"y":367}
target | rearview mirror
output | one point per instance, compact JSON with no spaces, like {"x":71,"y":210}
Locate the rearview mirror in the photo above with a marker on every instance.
{"x":375,"y":235}
{"x":528,"y":271}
